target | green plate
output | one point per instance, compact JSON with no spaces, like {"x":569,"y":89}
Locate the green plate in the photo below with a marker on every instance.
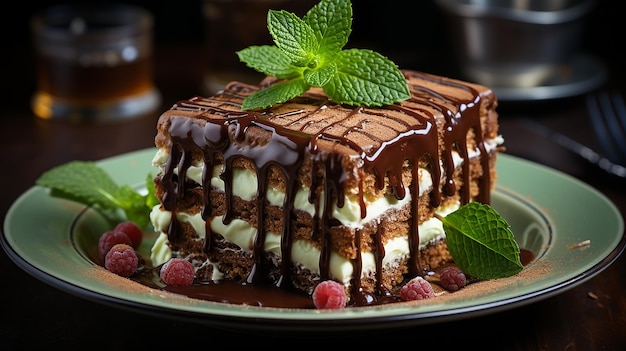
{"x":52,"y":239}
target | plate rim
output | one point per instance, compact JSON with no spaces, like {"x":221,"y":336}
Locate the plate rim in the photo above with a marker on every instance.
{"x":318,"y":320}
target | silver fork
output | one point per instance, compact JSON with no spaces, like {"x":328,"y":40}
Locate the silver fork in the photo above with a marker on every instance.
{"x":607,"y":112}
{"x":576,"y":147}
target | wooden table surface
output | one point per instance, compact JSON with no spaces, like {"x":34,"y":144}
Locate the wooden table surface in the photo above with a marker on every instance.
{"x":36,"y":314}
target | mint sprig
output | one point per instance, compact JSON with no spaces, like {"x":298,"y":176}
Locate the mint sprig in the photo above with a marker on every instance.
{"x":308,"y":52}
{"x":87,"y":183}
{"x":481,"y":242}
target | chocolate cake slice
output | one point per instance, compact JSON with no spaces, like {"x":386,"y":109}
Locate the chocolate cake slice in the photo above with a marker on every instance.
{"x":309,"y":190}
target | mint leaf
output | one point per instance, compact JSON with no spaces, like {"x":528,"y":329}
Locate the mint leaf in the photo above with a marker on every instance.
{"x":481,"y":242}
{"x":276,"y":93}
{"x":82,"y":181}
{"x":134,"y":205}
{"x":85,"y":182}
{"x":269,"y":60}
{"x":309,"y":51}
{"x":320,"y":76}
{"x":292,"y":36}
{"x":150,"y":198}
{"x":366,"y":77}
{"x":331,"y":22}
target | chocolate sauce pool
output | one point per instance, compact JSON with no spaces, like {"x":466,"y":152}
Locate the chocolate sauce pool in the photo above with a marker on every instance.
{"x":261,"y":295}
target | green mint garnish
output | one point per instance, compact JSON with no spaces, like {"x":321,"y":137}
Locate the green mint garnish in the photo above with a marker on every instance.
{"x":309,"y":53}
{"x":85,"y":182}
{"x":481,"y":242}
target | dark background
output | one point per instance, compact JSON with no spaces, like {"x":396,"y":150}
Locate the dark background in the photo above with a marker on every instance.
{"x":180,"y":21}
{"x":387,"y":24}
{"x":406,"y":34}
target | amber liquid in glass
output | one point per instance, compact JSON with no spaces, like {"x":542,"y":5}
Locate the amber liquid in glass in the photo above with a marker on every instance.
{"x":97,"y":84}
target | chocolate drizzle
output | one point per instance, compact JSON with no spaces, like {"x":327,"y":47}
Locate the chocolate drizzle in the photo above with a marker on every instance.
{"x":409,"y":138}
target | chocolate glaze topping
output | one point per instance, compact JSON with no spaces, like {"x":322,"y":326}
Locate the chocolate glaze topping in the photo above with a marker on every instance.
{"x":379,"y":140}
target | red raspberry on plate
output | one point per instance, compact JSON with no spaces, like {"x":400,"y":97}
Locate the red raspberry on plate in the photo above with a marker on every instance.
{"x":452,"y":278}
{"x":121,"y":260}
{"x":177,"y":272}
{"x":329,"y":294}
{"x":416,"y":289}
{"x":133,"y":231}
{"x":110,"y":238}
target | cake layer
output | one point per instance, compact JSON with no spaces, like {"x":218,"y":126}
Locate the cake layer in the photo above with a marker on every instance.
{"x":310,"y":190}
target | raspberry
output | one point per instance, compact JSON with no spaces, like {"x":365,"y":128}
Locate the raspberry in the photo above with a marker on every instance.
{"x":452,"y":278}
{"x":177,"y":272}
{"x":329,"y":294}
{"x":110,"y":238}
{"x":416,"y":289}
{"x":132,"y":230}
{"x":121,"y":260}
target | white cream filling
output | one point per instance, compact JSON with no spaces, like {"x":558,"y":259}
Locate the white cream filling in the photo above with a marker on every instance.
{"x":242,"y":234}
{"x":303,"y":252}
